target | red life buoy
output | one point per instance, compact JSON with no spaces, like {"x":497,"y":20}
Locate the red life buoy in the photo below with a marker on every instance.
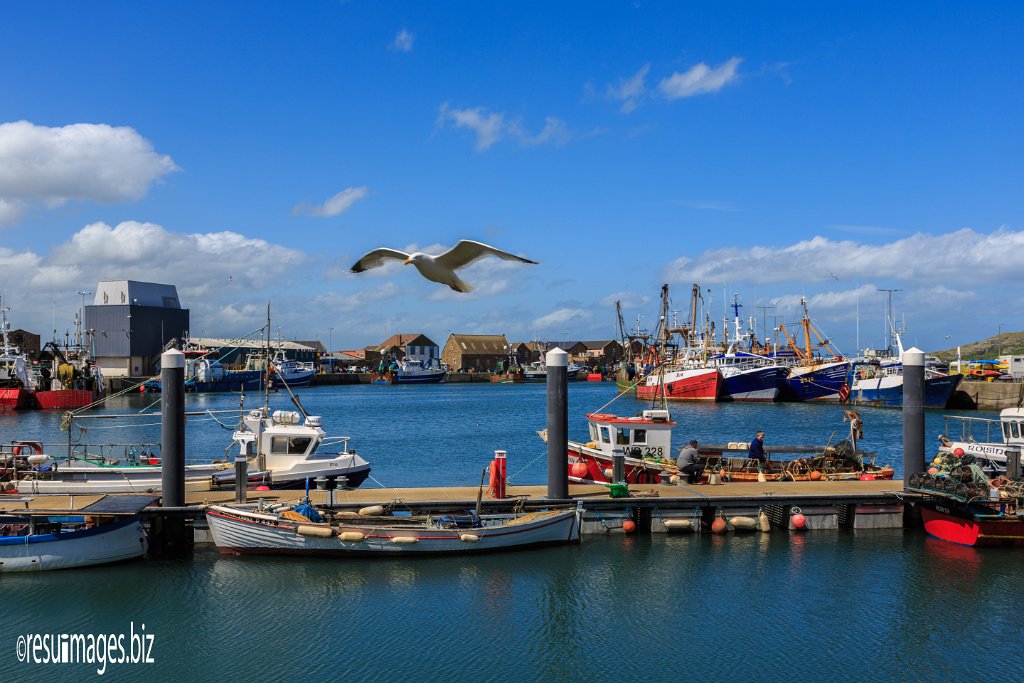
{"x":17,"y":450}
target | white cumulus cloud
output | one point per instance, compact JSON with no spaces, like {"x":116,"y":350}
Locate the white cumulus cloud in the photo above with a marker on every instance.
{"x":403,"y":41}
{"x":490,"y":127}
{"x":699,"y":79}
{"x":626,"y":299}
{"x":921,"y":257}
{"x":334,"y":205}
{"x":198,"y":263}
{"x":82,"y":161}
{"x":630,"y":90}
{"x":561,"y":316}
{"x":209,"y":269}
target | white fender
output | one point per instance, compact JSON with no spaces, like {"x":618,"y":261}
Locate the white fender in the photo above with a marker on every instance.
{"x":678,"y":524}
{"x":405,"y":540}
{"x":316,"y":531}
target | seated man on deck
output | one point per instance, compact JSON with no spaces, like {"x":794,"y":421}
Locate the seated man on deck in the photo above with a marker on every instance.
{"x":689,"y":463}
{"x":756,"y":450}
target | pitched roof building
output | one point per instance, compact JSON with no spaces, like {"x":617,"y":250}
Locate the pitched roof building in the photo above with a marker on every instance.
{"x":479,"y":352}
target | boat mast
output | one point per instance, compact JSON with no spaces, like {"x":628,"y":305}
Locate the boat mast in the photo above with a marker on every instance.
{"x":736,"y":306}
{"x":806,"y":322}
{"x":662,"y":332}
{"x":266,"y":368}
{"x":4,"y":325}
{"x":890,"y":322}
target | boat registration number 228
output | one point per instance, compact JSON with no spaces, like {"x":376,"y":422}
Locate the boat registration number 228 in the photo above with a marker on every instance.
{"x":651,"y":451}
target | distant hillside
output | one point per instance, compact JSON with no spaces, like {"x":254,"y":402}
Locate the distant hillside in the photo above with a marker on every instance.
{"x":993,"y":347}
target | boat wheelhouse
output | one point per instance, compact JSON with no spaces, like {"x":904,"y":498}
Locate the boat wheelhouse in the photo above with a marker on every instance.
{"x":284,"y":452}
{"x":645,"y":440}
{"x":985,"y":439}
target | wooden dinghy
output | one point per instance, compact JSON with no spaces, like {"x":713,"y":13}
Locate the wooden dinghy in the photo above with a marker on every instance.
{"x":303,"y":530}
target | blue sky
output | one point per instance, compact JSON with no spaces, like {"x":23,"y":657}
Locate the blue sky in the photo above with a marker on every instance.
{"x":253,"y":151}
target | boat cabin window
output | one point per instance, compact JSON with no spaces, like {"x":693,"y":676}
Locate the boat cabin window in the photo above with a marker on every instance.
{"x":289,"y":445}
{"x":639,"y":436}
{"x":593,"y":432}
{"x":1015,"y":430}
{"x":606,"y":434}
{"x":621,"y":437}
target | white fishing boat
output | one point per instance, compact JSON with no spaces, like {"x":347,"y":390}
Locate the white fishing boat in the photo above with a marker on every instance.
{"x":414,"y":371}
{"x":47,"y":475}
{"x":537,"y":371}
{"x":104,"y":532}
{"x":282,"y":452}
{"x":303,"y":530}
{"x":984,"y":439}
{"x":294,"y":373}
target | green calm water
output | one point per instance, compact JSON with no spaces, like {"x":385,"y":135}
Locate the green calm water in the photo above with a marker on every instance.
{"x":817,"y":606}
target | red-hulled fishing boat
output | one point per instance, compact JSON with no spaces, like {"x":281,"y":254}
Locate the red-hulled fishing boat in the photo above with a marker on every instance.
{"x":15,"y":382}
{"x":680,"y":383}
{"x":972,"y":513}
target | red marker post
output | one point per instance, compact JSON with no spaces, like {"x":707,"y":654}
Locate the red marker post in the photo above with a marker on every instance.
{"x":502,"y":472}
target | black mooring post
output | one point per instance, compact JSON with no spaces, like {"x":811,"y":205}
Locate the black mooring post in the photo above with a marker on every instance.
{"x":557,"y":362}
{"x":171,"y":534}
{"x":172,"y":427}
{"x":241,"y":474}
{"x":913,"y":413}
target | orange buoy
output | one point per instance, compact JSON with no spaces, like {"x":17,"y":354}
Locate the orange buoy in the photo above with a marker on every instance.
{"x":579,"y":469}
{"x":933,"y":470}
{"x":867,"y":477}
{"x":815,"y":475}
{"x":262,"y":487}
{"x":798,"y":520}
{"x":629,"y":526}
{"x":719,"y":526}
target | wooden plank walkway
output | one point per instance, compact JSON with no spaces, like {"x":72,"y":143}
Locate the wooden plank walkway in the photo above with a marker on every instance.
{"x":752,"y":493}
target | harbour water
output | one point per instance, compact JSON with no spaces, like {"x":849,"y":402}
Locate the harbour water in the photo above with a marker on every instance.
{"x":817,"y":606}
{"x":444,"y":434}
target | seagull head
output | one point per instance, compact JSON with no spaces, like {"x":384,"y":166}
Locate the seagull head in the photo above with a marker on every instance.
{"x":414,"y":258}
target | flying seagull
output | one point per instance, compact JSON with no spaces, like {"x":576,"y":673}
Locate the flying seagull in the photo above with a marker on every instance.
{"x":438,"y":268}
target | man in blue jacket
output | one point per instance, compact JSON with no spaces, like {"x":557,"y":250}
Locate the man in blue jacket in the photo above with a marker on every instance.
{"x":756,"y":451}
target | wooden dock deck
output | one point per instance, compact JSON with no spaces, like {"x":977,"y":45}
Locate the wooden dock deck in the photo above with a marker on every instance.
{"x":596,"y":496}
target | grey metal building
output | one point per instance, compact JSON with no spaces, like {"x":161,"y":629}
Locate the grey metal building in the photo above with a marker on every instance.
{"x":131,"y":322}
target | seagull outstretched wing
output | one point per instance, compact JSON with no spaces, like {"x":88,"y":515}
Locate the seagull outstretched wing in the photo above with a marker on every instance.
{"x":378,"y":257}
{"x":468,"y":251}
